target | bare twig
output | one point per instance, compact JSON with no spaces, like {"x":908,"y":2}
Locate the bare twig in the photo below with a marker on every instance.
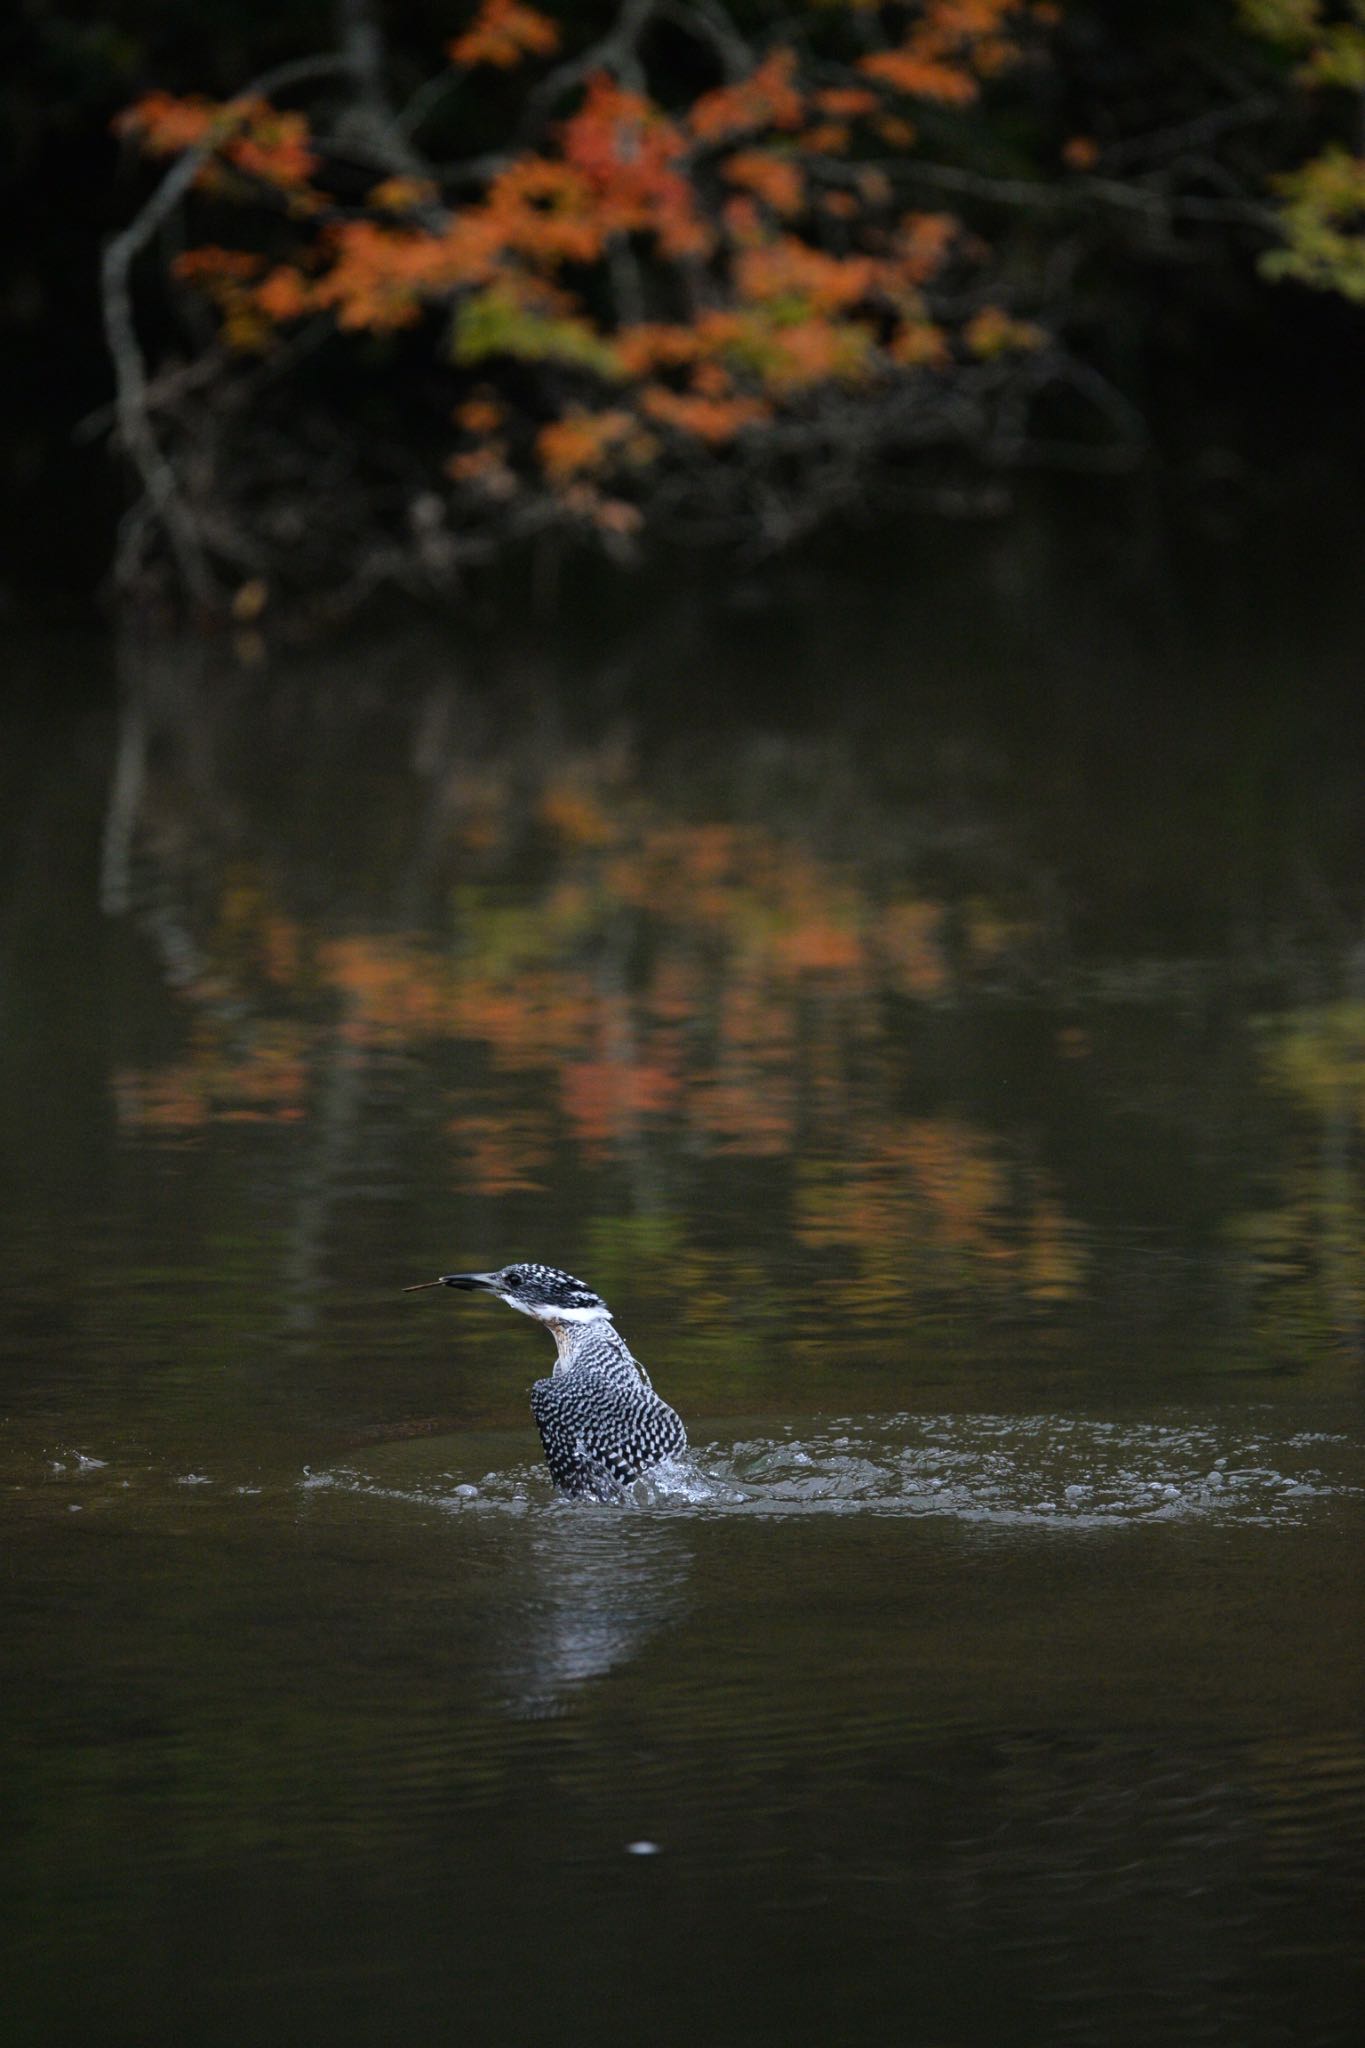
{"x":710,"y":24}
{"x":130,"y":371}
{"x":615,"y":51}
{"x":380,"y":129}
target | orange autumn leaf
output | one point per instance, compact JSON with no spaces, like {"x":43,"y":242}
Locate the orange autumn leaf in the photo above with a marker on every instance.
{"x":581,"y":441}
{"x":274,"y":147}
{"x":485,"y":467}
{"x":827,"y":138}
{"x":655,"y":345}
{"x":627,"y":151}
{"x":920,"y":77}
{"x":790,"y":269}
{"x":846,"y":102}
{"x":574,"y":814}
{"x":250,"y":134}
{"x":618,"y":516}
{"x":918,"y":344}
{"x":923,"y":241}
{"x":774,"y":179}
{"x":206,"y":265}
{"x":164,"y":125}
{"x":502,"y":33}
{"x":480,"y":414}
{"x":715,"y":420}
{"x":284,"y":295}
{"x":402,"y":195}
{"x":768,"y":98}
{"x":992,"y":332}
{"x":953,"y":45}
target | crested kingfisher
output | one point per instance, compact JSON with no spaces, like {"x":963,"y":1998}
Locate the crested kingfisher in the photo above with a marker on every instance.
{"x":600,"y":1420}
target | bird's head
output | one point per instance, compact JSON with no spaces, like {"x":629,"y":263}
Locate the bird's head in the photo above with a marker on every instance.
{"x":545,"y":1292}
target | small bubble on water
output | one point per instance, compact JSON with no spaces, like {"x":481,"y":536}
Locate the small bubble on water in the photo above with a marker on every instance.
{"x":467,"y":1492}
{"x":642,"y":1848}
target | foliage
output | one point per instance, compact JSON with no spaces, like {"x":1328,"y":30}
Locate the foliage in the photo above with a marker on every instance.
{"x":1322,"y":205}
{"x":673,"y":269}
{"x":684,"y":278}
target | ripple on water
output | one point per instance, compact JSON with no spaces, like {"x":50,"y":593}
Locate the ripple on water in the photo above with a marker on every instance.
{"x":1004,"y":1470}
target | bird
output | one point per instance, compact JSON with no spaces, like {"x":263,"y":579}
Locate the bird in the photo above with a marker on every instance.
{"x":600,"y":1420}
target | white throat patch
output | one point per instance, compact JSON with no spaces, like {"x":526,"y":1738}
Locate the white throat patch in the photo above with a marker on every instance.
{"x":545,"y":1312}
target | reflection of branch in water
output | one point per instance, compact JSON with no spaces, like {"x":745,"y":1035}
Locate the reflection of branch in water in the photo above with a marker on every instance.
{"x":592,"y":1588}
{"x":340,"y":1101}
{"x":1341,"y":1249}
{"x":156,"y":903}
{"x":126,"y":786}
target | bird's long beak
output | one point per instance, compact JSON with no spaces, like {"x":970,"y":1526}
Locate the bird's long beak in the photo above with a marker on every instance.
{"x":486,"y":1281}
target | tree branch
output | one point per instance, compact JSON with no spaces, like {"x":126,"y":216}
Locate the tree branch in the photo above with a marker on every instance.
{"x":120,"y":328}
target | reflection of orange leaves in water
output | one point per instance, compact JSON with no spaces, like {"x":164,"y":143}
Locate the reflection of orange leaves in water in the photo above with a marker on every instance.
{"x":743,"y":969}
{"x":991,"y":936}
{"x":282,"y":946}
{"x":392,"y":988}
{"x":604,"y":1098}
{"x":674,"y":992}
{"x":529,"y":1017}
{"x":930,"y":1181}
{"x":749,"y":1098}
{"x":819,"y":946}
{"x":575,"y":814}
{"x":753,"y":1118}
{"x":170,"y":1098}
{"x":1053,"y":1261}
{"x":756,"y":1021}
{"x":265,"y":1083}
{"x":499,"y":1154}
{"x":954,"y":1168}
{"x":912,"y":949}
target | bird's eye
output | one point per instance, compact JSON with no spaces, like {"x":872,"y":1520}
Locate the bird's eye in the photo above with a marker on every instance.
{"x":516,"y":1279}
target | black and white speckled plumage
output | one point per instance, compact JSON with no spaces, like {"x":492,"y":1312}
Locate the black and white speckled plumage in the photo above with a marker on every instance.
{"x":600,"y":1420}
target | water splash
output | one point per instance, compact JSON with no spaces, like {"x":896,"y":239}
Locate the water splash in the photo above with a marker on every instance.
{"x":1002,"y":1470}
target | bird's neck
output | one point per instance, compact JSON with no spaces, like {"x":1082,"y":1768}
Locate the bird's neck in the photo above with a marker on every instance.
{"x":572,"y":1338}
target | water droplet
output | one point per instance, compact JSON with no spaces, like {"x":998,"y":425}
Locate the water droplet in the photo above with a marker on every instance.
{"x":642,"y":1848}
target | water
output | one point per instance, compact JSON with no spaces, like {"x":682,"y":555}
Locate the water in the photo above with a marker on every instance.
{"x":956,"y":1085}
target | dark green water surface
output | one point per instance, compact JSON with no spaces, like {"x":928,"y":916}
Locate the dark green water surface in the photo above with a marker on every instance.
{"x":947,"y":1055}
